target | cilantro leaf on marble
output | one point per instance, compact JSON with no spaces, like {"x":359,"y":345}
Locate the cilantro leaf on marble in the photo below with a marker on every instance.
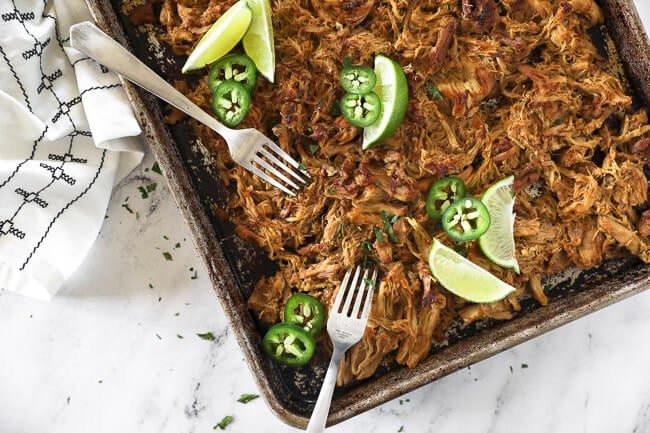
{"x":245,"y":398}
{"x":209,"y":336}
{"x":224,"y":422}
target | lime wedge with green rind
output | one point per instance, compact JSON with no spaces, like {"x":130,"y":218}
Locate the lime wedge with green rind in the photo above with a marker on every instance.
{"x":258,"y":40}
{"x":224,"y":34}
{"x":464,"y":278}
{"x":498,"y":242}
{"x":392,"y":89}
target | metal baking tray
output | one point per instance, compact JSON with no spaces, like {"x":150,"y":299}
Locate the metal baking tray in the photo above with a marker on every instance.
{"x":234,"y":266}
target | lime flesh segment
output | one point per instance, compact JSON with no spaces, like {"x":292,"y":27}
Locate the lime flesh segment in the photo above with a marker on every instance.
{"x":393,"y":91}
{"x":464,"y":278}
{"x":224,"y":34}
{"x":498,"y":243}
{"x":258,"y":40}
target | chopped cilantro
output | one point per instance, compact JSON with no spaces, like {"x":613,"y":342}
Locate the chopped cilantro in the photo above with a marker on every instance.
{"x":145,"y":190}
{"x":330,"y":191}
{"x":302,"y":167}
{"x":167,"y":256}
{"x":401,"y":429}
{"x":313,"y":148}
{"x":165,"y":237}
{"x":369,"y":282}
{"x":177,"y":245}
{"x":524,"y":365}
{"x":366,"y":245}
{"x":150,"y":286}
{"x":379,"y":235}
{"x":223,"y":423}
{"x":209,"y":336}
{"x":335,"y":111}
{"x":179,"y":336}
{"x":388,"y":225}
{"x":177,"y":314}
{"x":245,"y":398}
{"x":433,"y":91}
{"x":156,"y":168}
{"x":126,"y":206}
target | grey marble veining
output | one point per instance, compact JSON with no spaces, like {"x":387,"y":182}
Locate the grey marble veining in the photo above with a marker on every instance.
{"x":117,"y":350}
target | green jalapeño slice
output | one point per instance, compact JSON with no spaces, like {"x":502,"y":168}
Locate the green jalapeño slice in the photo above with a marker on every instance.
{"x":288,"y":344}
{"x":305,"y":311}
{"x":442,"y":194}
{"x":466,"y":219}
{"x":231,"y":102}
{"x":361,"y":110}
{"x":358,"y":80}
{"x":238,"y":67}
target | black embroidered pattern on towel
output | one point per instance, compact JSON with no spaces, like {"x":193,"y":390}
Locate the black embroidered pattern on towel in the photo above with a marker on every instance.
{"x":92,"y":182}
{"x":59,"y":160}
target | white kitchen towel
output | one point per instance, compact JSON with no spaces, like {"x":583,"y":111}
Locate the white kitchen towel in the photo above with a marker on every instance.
{"x":67,"y":136}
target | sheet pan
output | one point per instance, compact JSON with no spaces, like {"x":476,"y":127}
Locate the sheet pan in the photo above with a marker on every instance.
{"x":234,"y":266}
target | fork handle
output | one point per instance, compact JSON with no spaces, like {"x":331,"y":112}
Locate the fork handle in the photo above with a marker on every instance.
{"x":322,"y":408}
{"x":89,"y":39}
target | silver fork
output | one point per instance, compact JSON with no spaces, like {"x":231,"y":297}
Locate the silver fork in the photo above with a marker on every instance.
{"x":248,"y":147}
{"x":345,"y":325}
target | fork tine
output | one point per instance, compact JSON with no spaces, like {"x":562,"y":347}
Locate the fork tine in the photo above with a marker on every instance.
{"x":360,"y":294}
{"x":272,"y":181}
{"x":274,"y":171}
{"x":350,"y":294}
{"x":339,"y":295}
{"x":279,"y":164}
{"x":284,"y":155}
{"x":368,"y":302}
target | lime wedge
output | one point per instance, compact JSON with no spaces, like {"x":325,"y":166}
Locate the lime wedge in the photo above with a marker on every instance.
{"x":224,"y":34}
{"x":394,"y":94}
{"x":498,"y":242}
{"x":258,"y":40}
{"x":464,"y":278}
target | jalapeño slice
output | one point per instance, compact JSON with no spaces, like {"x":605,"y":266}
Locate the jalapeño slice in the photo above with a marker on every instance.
{"x":305,"y":311}
{"x":288,"y":344}
{"x":358,"y":80}
{"x":466,"y":219}
{"x":231,"y":102}
{"x":442,"y":194}
{"x":238,"y":67}
{"x":361,"y":110}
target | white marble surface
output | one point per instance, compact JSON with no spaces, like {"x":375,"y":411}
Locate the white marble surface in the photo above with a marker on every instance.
{"x":106,"y":355}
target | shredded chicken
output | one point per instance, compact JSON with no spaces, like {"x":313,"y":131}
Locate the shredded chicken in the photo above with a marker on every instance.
{"x":496,"y":88}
